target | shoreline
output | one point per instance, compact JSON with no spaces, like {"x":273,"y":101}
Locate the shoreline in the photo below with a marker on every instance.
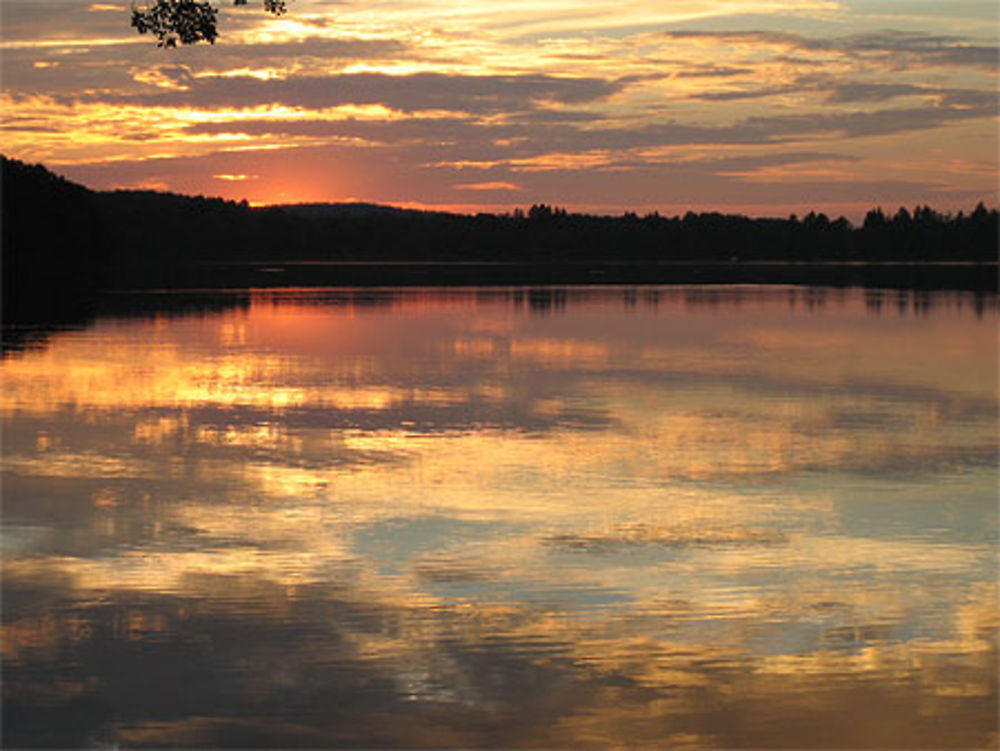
{"x":935,"y":275}
{"x":541,"y":288}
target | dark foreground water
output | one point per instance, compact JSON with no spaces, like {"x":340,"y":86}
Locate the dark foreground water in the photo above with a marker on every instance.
{"x":643,"y":517}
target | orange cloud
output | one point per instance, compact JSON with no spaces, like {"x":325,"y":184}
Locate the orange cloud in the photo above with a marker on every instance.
{"x":489,"y":186}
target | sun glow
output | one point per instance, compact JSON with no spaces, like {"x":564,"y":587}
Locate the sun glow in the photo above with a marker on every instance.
{"x":540,"y":94}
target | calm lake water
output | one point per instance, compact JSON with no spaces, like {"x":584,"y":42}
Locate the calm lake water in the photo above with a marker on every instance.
{"x":549,"y":518}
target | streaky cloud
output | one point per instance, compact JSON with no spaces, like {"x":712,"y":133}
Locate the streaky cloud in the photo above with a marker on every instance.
{"x":901,"y":49}
{"x":406,"y":93}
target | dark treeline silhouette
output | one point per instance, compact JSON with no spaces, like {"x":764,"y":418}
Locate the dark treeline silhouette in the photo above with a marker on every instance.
{"x":547,"y":234}
{"x":61,"y":241}
{"x":56,"y":247}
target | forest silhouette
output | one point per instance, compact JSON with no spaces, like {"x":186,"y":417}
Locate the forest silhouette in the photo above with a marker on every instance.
{"x":63,"y":242}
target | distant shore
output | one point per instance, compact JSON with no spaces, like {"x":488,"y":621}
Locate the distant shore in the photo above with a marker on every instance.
{"x":65,"y":246}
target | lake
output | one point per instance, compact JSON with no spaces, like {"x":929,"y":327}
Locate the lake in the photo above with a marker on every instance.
{"x":527,"y":517}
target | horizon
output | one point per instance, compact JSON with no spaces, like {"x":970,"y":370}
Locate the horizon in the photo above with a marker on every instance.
{"x":753,"y":107}
{"x":505,"y":210}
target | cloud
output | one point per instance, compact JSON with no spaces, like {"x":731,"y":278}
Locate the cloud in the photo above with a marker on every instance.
{"x":875,"y":92}
{"x":128,"y":70}
{"x":836,"y":90}
{"x":622,"y":181}
{"x":862,"y":124}
{"x":433,"y":87}
{"x":63,"y":20}
{"x":715,"y":71}
{"x":510,"y":138}
{"x":489,"y":186}
{"x":410,"y":93}
{"x":324,"y":48}
{"x":900,"y":49}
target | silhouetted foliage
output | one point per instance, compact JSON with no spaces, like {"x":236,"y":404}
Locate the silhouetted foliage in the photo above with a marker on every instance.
{"x":55,"y":250}
{"x":874,"y":220}
{"x":186,"y":21}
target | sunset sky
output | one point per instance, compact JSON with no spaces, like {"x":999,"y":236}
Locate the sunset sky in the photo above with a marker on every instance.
{"x":759,"y":106}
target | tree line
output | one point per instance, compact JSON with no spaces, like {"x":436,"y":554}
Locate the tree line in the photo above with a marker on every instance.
{"x":60,"y":235}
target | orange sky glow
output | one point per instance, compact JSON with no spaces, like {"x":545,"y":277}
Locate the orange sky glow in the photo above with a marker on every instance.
{"x":759,"y":106}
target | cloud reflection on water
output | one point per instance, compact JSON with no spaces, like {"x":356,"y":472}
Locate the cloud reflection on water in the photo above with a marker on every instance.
{"x":437,"y":518}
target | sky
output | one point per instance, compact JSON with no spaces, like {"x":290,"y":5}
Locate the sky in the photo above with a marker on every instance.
{"x":765,"y":107}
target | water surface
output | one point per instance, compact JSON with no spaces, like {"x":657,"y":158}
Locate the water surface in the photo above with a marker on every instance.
{"x":643,"y":517}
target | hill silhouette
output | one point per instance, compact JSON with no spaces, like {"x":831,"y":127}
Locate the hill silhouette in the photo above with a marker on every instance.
{"x":62,"y":241}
